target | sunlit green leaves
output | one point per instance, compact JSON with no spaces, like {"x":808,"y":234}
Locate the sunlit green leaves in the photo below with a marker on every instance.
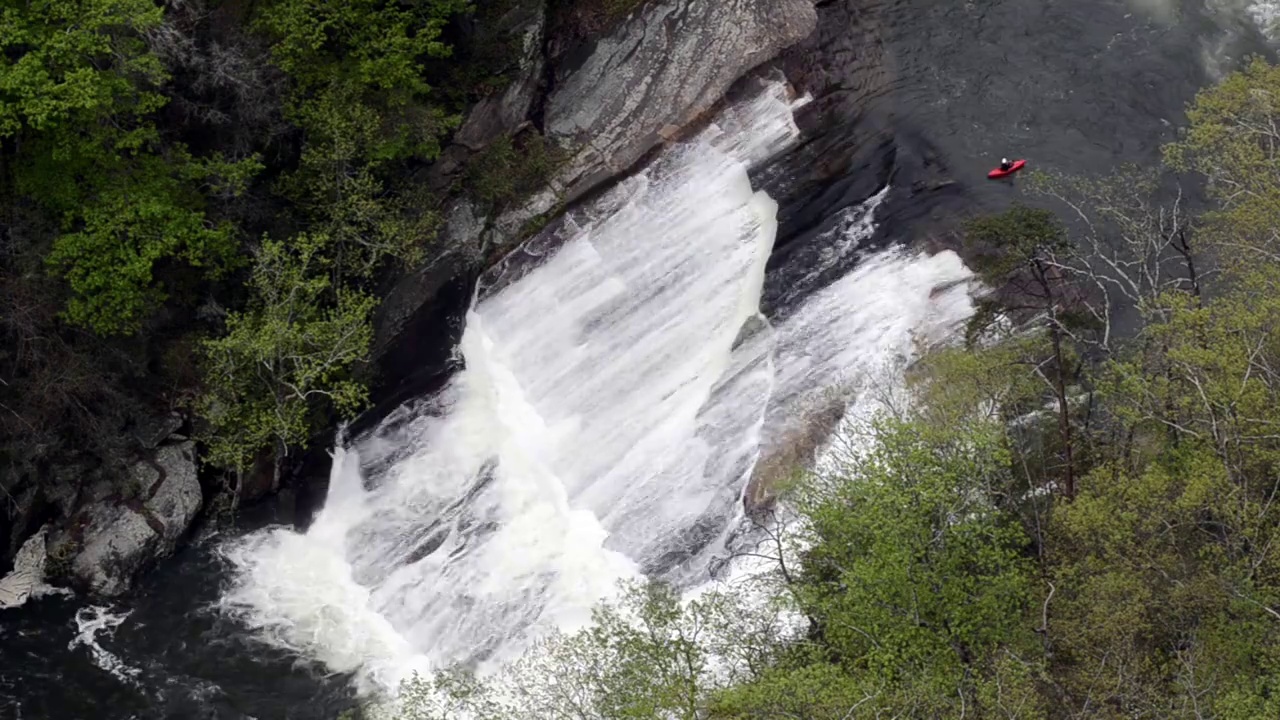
{"x":914,"y":573}
{"x":1002,"y":244}
{"x":1233,"y":139}
{"x":77,"y":90}
{"x":67,"y":64}
{"x":125,"y":227}
{"x":290,"y":352}
{"x":358,"y":70}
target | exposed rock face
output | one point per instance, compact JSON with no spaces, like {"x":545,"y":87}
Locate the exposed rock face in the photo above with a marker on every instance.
{"x":658,"y":72}
{"x":502,"y":113}
{"x":152,"y":431}
{"x":507,"y":112}
{"x":113,"y":538}
{"x":654,"y":75}
{"x":27,"y":576}
{"x":460,"y":247}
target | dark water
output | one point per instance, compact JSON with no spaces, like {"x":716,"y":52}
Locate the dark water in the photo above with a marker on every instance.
{"x":181,"y":658}
{"x":924,"y":95}
{"x":928,"y":95}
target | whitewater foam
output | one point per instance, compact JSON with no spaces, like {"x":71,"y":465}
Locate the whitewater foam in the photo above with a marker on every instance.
{"x":1266,"y":16}
{"x":585,"y":440}
{"x":93,"y":621}
{"x":614,"y":401}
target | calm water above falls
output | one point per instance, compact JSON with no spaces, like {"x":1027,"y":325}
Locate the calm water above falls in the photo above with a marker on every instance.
{"x":615,"y":397}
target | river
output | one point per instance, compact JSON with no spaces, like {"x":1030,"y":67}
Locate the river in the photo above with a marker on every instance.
{"x":616,"y":394}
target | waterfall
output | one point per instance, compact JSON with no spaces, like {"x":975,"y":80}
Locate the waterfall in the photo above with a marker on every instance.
{"x":614,"y":400}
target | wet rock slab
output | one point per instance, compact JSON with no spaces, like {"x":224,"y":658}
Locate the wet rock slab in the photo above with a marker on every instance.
{"x":659,"y":71}
{"x":114,"y":537}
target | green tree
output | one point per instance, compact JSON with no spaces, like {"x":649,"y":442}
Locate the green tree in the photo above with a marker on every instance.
{"x":915,"y":584}
{"x":647,"y":655}
{"x":1167,"y":588}
{"x":68,"y":66}
{"x":290,"y":352}
{"x":360,"y":98}
{"x":140,"y":214}
{"x":78,"y":91}
{"x":1234,"y":141}
{"x":361,"y":62}
{"x":1023,"y":254}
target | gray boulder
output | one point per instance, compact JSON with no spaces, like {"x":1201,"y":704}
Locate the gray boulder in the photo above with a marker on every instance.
{"x":657,"y":73}
{"x":114,"y":538}
{"x":152,"y":431}
{"x":27,"y":576}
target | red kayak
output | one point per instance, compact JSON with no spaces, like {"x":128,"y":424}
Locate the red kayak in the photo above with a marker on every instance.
{"x":998,"y":173}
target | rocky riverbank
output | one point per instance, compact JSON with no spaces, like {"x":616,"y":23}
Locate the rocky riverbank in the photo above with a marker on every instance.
{"x":604,"y":100}
{"x":100,"y":538}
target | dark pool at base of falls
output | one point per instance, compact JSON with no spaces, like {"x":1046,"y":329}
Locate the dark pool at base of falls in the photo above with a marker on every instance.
{"x":923,"y":95}
{"x":174,"y":656}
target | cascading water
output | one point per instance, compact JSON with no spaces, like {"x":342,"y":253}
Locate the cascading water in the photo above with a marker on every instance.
{"x":613,"y":402}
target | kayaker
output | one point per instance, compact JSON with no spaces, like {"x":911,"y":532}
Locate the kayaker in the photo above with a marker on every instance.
{"x":1005,"y":164}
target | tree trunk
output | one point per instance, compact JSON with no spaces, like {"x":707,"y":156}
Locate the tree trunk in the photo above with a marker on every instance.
{"x":1059,"y":378}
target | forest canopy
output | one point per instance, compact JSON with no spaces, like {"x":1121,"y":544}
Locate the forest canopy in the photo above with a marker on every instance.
{"x":197,"y":203}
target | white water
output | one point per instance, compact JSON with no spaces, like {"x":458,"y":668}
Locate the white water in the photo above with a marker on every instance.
{"x":613,"y":403}
{"x":92,"y":621}
{"x":1266,"y":14}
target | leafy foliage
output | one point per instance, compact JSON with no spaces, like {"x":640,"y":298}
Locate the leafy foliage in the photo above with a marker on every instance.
{"x":1002,"y":244}
{"x":79,"y":98}
{"x":68,"y":66}
{"x":296,"y":344}
{"x":914,"y":580}
{"x":362,"y":104}
{"x":507,"y":170}
{"x":130,"y":226}
{"x":358,"y":70}
{"x":1232,"y":141}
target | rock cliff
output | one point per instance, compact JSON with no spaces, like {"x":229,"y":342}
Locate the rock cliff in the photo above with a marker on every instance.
{"x":658,"y":72}
{"x":605,"y":106}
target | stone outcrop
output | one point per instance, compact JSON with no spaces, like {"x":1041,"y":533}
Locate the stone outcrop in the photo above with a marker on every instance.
{"x":503,"y":113}
{"x":658,"y":72}
{"x":152,"y":431}
{"x":634,"y":89}
{"x":54,"y":492}
{"x":27,"y":576}
{"x":112,"y":538}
